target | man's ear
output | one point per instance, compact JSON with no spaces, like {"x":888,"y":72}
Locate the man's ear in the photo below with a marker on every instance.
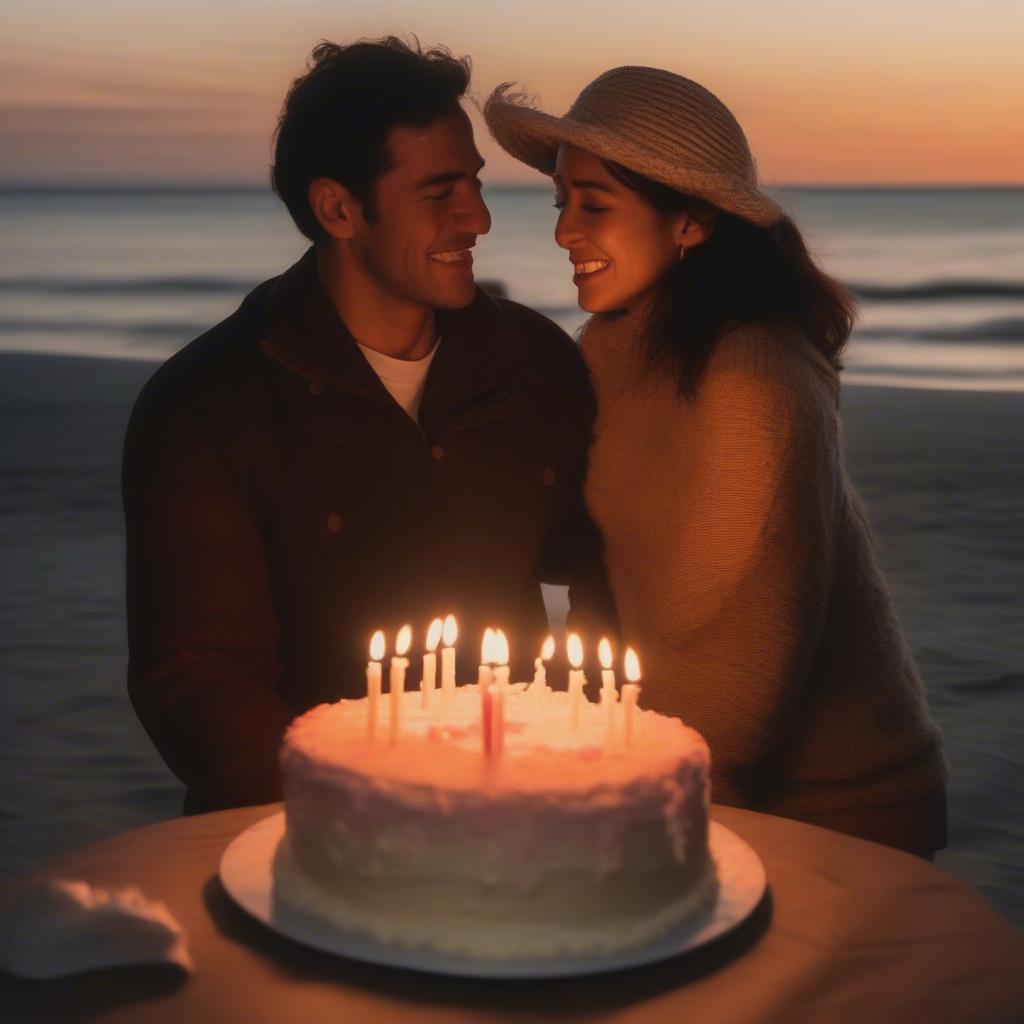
{"x":333,"y":206}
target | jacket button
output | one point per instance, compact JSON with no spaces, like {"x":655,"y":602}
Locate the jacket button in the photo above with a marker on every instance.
{"x":334,"y":522}
{"x":548,"y":476}
{"x":438,"y":452}
{"x":315,"y":388}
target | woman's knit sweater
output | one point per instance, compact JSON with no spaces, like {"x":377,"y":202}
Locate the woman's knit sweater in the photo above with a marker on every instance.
{"x":743,"y":569}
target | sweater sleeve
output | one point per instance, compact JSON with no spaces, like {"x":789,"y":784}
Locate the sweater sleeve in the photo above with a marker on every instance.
{"x":748,"y":576}
{"x":202,"y":629}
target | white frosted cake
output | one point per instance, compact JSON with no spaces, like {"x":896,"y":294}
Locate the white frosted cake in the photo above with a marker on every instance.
{"x":571,"y":843}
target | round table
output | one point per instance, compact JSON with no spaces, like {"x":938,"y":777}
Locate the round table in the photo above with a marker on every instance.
{"x":849,"y":931}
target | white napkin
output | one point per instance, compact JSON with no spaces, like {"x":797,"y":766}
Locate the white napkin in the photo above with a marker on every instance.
{"x":54,"y":927}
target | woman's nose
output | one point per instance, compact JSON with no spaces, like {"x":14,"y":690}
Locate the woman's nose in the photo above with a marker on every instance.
{"x":566,"y":232}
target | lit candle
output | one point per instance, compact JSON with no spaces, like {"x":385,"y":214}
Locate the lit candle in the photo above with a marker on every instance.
{"x":540,"y":674}
{"x":501,"y":658}
{"x":492,"y":720}
{"x":497,"y":721}
{"x":608,"y":711}
{"x":630,"y":694}
{"x":449,"y":634}
{"x":484,"y":674}
{"x":577,"y":680}
{"x":487,"y":718}
{"x":430,"y":663}
{"x":373,"y":670}
{"x":399,"y":663}
{"x":604,"y":654}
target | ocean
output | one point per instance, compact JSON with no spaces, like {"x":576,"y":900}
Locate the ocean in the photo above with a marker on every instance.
{"x":939,"y":273}
{"x":98,"y":286}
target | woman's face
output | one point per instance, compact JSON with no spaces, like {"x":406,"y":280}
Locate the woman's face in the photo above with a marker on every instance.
{"x":619,"y":245}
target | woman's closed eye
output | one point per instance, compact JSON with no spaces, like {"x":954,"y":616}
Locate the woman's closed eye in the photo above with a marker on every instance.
{"x":560,"y":204}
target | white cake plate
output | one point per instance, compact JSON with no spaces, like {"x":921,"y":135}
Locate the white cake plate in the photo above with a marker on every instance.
{"x":246,"y":872}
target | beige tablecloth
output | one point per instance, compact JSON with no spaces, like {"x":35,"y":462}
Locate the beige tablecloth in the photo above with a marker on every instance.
{"x":850,"y":931}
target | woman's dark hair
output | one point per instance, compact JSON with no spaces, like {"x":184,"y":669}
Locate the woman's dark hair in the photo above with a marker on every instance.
{"x":337,"y":117}
{"x":741,"y":274}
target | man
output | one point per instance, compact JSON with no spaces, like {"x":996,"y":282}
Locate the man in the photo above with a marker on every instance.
{"x":368,"y":440}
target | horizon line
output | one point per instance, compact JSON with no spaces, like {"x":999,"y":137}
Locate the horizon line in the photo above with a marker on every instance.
{"x":510,"y":186}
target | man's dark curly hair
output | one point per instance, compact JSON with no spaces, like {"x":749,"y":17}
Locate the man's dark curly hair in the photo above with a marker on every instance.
{"x":337,"y":117}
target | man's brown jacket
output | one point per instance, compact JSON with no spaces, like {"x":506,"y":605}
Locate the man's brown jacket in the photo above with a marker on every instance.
{"x":280,"y":506}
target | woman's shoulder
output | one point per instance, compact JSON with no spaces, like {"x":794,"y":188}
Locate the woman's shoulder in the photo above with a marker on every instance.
{"x":773,"y":361}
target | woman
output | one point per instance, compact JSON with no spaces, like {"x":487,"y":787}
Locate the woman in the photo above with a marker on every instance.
{"x":738,"y":554}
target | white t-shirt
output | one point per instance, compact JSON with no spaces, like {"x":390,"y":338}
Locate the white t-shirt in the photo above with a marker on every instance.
{"x":405,"y":379}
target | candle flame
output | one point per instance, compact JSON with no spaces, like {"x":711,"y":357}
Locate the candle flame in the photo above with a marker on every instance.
{"x":632,"y":665}
{"x":604,"y":653}
{"x":403,"y":641}
{"x":488,"y":652}
{"x":547,"y":651}
{"x":434,"y":634}
{"x":451,"y":631}
{"x":377,"y":645}
{"x":500,"y":647}
{"x":574,"y":648}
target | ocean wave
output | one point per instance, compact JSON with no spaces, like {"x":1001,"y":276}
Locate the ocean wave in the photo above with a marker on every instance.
{"x":923,"y":382}
{"x":1009,"y":329}
{"x":941,"y":290}
{"x":211,"y":284}
{"x":197,"y":285}
{"x":157,"y":329}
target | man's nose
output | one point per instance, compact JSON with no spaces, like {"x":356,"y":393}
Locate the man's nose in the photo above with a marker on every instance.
{"x":472,"y":216}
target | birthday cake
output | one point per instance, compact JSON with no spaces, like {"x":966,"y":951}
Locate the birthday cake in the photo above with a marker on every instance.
{"x":575,"y":841}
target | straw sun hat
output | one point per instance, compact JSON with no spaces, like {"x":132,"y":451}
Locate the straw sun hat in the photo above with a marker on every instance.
{"x":658,"y":124}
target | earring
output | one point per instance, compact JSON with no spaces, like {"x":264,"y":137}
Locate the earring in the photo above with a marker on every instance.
{"x":682,"y":251}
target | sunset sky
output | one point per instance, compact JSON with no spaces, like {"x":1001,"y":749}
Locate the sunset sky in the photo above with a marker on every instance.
{"x":118,"y":91}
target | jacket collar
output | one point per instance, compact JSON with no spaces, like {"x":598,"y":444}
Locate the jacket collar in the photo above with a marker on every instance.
{"x":481,"y":348}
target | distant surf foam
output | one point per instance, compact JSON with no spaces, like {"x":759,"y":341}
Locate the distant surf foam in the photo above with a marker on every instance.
{"x":923,"y":291}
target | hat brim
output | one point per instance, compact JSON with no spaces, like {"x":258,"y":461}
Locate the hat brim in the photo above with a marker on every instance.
{"x":533,"y":137}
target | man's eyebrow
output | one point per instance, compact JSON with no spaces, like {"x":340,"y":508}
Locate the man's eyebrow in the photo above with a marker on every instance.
{"x":444,"y":178}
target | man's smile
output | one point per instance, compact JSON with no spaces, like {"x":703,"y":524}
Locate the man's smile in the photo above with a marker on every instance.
{"x":453,"y":256}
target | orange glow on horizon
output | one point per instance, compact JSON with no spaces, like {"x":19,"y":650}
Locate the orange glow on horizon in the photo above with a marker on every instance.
{"x":836,"y":94}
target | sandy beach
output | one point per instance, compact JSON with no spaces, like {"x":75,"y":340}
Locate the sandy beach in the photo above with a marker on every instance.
{"x":939,"y":471}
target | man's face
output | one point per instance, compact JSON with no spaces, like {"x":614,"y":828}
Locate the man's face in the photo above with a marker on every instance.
{"x":430,"y":213}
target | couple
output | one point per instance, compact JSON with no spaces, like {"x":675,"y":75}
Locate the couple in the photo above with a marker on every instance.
{"x":370,"y":440}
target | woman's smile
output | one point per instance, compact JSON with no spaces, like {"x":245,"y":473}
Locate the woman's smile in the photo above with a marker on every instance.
{"x":588,"y":268}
